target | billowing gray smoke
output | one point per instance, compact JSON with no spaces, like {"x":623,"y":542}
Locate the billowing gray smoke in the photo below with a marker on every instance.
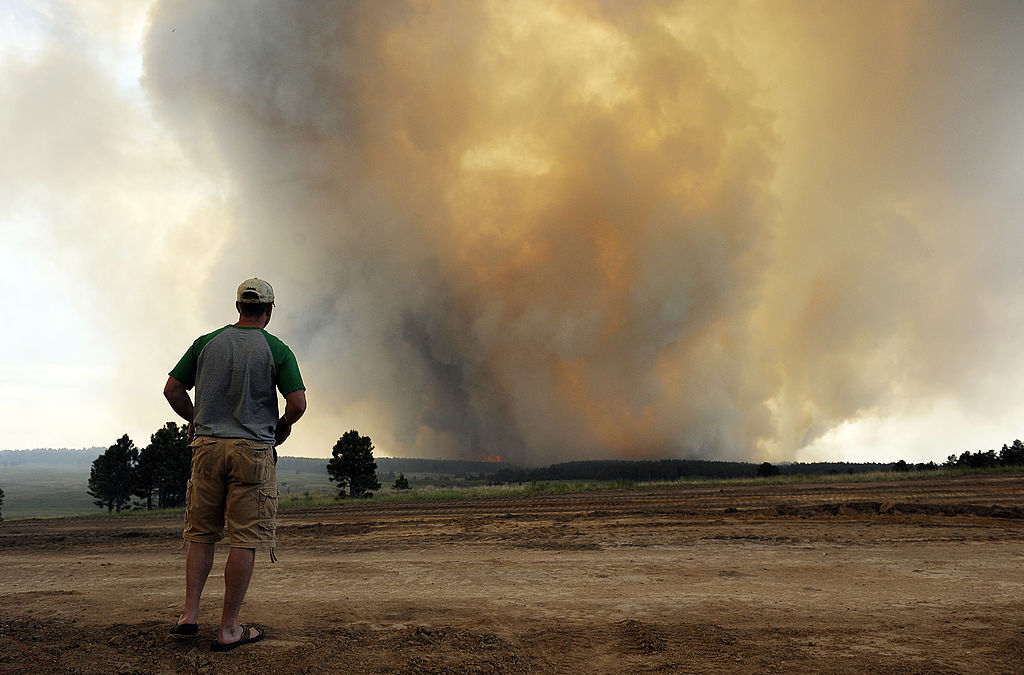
{"x":578,"y":229}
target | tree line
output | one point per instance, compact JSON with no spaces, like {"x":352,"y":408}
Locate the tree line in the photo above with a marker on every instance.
{"x":635,"y":471}
{"x":1009,"y":455}
{"x":64,"y":457}
{"x":668,"y":470}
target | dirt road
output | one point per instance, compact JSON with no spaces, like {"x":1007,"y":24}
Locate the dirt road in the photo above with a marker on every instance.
{"x":922,"y":576}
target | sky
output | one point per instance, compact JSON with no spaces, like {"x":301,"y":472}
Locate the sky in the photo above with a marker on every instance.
{"x":540,"y":231}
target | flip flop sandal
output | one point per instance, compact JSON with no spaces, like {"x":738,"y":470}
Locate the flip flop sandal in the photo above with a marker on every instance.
{"x":244,"y":640}
{"x":185,"y":629}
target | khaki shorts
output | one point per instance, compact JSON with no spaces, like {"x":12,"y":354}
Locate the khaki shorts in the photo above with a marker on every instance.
{"x":234,"y":483}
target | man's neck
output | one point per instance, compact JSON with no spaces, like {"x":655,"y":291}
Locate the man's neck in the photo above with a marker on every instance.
{"x":245,"y":322}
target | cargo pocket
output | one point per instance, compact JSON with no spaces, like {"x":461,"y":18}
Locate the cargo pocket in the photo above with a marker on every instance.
{"x":189,"y":501}
{"x":268,"y":508}
{"x":190,"y":497}
{"x":253,"y":462}
{"x":201,"y":462}
{"x":267,"y":516}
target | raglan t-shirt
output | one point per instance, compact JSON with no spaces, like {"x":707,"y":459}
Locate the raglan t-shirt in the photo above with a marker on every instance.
{"x":237,"y":373}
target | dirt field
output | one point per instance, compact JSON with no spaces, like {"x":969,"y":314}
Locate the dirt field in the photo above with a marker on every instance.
{"x":923,"y":576}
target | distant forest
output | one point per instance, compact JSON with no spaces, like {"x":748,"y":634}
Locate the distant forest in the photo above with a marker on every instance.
{"x":64,"y":457}
{"x":672,"y":469}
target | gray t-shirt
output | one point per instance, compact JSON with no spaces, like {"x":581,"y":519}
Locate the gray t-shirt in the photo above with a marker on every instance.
{"x":237,"y":373}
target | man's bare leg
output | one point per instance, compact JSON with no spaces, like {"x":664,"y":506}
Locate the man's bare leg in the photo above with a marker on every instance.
{"x":198,"y":563}
{"x":237,"y":573}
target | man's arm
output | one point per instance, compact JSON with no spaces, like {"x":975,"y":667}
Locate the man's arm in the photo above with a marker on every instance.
{"x":294,"y":407}
{"x":177,"y":395}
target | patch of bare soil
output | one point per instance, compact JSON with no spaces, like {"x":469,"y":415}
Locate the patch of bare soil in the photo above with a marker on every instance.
{"x":923,"y":576}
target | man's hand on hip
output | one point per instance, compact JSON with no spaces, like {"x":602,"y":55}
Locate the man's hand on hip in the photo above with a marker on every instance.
{"x":282,"y":432}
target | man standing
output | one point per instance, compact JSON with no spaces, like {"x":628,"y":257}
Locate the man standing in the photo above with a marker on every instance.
{"x":237,"y":371}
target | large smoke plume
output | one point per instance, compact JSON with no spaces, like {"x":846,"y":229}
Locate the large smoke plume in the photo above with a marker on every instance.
{"x":550,"y":230}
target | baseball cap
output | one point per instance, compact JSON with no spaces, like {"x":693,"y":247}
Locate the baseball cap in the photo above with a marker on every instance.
{"x":255,"y":290}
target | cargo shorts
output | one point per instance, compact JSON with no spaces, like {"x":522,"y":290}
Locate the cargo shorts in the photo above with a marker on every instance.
{"x":233,"y":483}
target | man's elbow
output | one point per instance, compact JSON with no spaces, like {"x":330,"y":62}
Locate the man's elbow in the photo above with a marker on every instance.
{"x":173,"y":389}
{"x":296,"y":402}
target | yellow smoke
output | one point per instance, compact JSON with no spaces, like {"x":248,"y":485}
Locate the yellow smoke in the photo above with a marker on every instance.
{"x":575,"y":229}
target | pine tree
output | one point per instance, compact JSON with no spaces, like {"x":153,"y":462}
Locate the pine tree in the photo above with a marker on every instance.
{"x":401,"y":483}
{"x":164,"y":467}
{"x":352,"y":465}
{"x":113,"y":474}
{"x":144,"y":486}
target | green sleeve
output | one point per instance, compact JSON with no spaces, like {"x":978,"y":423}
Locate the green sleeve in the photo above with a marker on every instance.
{"x":185,"y":371}
{"x":288,"y":377}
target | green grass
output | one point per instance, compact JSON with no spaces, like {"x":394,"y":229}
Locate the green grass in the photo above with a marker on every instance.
{"x":297,"y":482}
{"x":41,"y":492}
